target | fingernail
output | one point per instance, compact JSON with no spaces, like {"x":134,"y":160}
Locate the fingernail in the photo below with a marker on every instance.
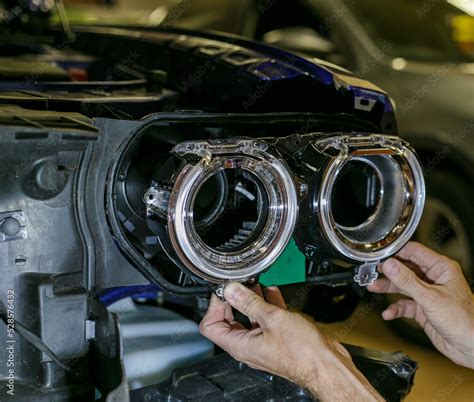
{"x":232,"y":290}
{"x":391,"y":267}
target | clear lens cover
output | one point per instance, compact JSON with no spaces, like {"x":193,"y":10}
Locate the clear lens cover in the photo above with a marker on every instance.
{"x":257,"y":243}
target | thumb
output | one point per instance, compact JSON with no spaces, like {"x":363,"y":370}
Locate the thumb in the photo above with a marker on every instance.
{"x":405,"y":280}
{"x":248,"y":302}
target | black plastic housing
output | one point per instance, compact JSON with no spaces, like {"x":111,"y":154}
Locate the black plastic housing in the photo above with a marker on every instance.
{"x":224,"y":379}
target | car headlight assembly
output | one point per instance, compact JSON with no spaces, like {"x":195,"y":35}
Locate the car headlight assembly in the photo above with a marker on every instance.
{"x":225,"y":209}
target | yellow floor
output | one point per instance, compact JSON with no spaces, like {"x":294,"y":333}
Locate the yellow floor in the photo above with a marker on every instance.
{"x":437,"y":379}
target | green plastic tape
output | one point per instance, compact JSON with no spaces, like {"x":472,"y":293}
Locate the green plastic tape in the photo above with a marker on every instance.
{"x":289,"y":268}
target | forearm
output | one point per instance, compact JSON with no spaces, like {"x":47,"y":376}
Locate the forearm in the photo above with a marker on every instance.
{"x":339,"y":380}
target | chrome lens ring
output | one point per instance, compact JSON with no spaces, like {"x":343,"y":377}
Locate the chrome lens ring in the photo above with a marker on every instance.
{"x":217,"y":265}
{"x":398,"y":211}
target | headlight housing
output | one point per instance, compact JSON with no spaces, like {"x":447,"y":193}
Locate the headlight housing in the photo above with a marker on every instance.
{"x":208,"y":211}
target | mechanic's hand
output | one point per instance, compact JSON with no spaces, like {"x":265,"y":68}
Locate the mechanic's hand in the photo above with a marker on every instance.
{"x":285,"y":344}
{"x":441,"y":300}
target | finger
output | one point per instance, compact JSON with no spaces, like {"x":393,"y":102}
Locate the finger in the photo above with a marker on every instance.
{"x":256,"y":288}
{"x":216,"y":311}
{"x":248,"y":302}
{"x":216,"y":327}
{"x":228,"y":313}
{"x":226,"y":333}
{"x":241,"y":343}
{"x":401,"y":308}
{"x":236,"y":325}
{"x":383,"y":285}
{"x":406,"y":281}
{"x":420,"y":255}
{"x":274,"y":296}
{"x":228,"y":336}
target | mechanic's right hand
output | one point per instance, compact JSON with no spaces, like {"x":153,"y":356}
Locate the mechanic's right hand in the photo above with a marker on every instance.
{"x":284,"y":343}
{"x":441,"y":300}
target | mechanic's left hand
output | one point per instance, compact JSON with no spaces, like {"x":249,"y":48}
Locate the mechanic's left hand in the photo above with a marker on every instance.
{"x":285,"y":344}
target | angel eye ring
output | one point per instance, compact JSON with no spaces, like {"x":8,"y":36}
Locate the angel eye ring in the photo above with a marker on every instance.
{"x":255,"y":241}
{"x":396,"y":196}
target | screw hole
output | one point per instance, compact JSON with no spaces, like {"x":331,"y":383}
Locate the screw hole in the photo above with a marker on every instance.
{"x":20,"y":260}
